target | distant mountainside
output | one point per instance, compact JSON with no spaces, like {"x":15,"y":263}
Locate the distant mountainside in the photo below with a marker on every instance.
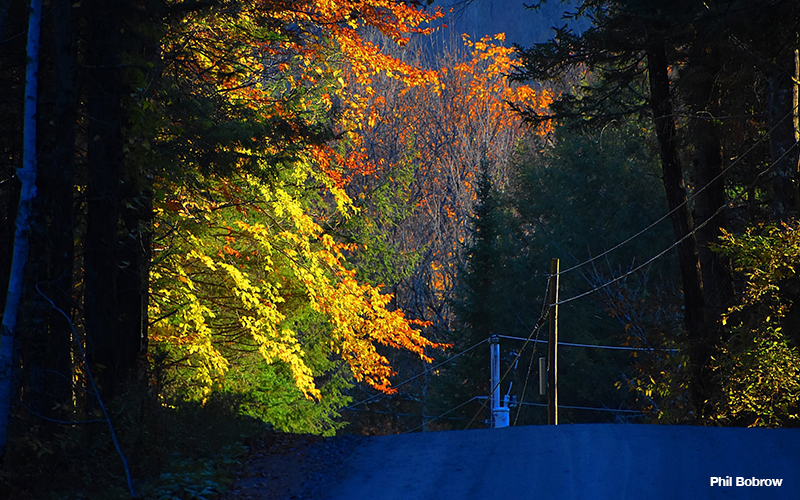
{"x":488,"y":17}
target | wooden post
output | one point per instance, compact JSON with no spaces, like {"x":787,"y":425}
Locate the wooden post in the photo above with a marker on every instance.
{"x":542,"y":376}
{"x":552,"y":345}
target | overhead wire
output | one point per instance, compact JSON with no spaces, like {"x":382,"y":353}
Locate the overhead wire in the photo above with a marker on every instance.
{"x":540,"y":321}
{"x":533,"y":356}
{"x":525,"y":385}
{"x":682,"y":239}
{"x":570,"y":407}
{"x":628,"y":273}
{"x":535,"y":330}
{"x":451,"y":410}
{"x":689,"y":199}
{"x":594,"y":346}
{"x":382,"y":396}
{"x":398,"y":414}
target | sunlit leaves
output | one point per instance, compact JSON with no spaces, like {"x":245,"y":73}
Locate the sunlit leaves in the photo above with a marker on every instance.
{"x":758,"y":365}
{"x":238,"y":275}
{"x":440,"y":132}
{"x":252,"y":94}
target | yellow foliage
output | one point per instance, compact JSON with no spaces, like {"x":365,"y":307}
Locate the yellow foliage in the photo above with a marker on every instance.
{"x":215,"y":288}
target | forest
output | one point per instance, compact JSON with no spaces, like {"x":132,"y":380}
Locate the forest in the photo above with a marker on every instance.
{"x":222,"y":218}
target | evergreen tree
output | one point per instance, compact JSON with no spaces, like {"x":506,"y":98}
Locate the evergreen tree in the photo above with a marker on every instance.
{"x":679,"y":62}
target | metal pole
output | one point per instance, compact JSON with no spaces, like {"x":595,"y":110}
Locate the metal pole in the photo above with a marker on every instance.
{"x":494,"y":359}
{"x":552,"y":343}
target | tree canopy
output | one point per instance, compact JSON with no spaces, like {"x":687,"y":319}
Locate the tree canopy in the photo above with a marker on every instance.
{"x":277,"y":214}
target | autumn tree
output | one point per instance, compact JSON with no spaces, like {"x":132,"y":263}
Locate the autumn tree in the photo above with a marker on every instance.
{"x":464,"y":123}
{"x":276,"y":260}
{"x":426,"y":148}
{"x":195,"y":148}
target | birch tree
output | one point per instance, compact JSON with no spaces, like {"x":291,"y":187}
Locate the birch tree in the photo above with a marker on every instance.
{"x":27,"y":176}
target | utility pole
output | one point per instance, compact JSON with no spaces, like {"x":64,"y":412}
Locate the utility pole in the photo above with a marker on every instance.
{"x":552,"y":347}
{"x":500,"y":415}
{"x":542,"y":376}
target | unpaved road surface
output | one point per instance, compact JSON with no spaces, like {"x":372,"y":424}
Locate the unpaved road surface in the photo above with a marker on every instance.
{"x":600,"y":461}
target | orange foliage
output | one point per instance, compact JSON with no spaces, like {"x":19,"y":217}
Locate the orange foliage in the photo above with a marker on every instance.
{"x":447,"y":128}
{"x":282,"y":60}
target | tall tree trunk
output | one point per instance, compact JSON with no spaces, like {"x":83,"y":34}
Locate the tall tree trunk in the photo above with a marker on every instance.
{"x":702,"y":96}
{"x":27,"y":175}
{"x":137,"y":210}
{"x":57,"y":194}
{"x":716,"y":269}
{"x":5,"y":6}
{"x":133,"y":275}
{"x":682,"y":224}
{"x":780,"y":120}
{"x":104,"y":94}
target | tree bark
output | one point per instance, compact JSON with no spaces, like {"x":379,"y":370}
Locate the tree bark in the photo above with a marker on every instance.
{"x":780,"y":120}
{"x":682,"y":224}
{"x":701,"y":94}
{"x":27,"y":175}
{"x":716,"y":269}
{"x":133,"y":276}
{"x":796,"y":97}
{"x":57,"y":195}
{"x":105,"y":156}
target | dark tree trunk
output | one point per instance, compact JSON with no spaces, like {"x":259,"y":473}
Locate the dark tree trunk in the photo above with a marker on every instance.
{"x":717,"y":271}
{"x":691,"y":277}
{"x":133,"y":275}
{"x":780,"y":121}
{"x":47,"y":342}
{"x":796,"y":101}
{"x":5,"y":6}
{"x":701,"y":94}
{"x":104,"y":94}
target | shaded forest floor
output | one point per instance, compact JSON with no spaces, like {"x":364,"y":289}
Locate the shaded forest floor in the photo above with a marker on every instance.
{"x":292,"y":467}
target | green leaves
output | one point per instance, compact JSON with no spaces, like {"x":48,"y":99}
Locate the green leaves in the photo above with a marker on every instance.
{"x":758,"y":366}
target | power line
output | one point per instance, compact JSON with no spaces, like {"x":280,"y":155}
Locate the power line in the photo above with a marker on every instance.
{"x":416,"y":415}
{"x":533,"y":356}
{"x":535,"y":330}
{"x":692,"y":197}
{"x":594,"y":346}
{"x":681,"y":240}
{"x":527,"y":377}
{"x":541,"y":319}
{"x":579,"y":407}
{"x":444,"y":414}
{"x":381,"y":395}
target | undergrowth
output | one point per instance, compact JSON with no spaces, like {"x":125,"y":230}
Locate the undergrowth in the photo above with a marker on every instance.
{"x":182,"y":451}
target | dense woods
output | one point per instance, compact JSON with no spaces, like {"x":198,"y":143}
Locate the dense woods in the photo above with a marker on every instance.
{"x":220,"y":217}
